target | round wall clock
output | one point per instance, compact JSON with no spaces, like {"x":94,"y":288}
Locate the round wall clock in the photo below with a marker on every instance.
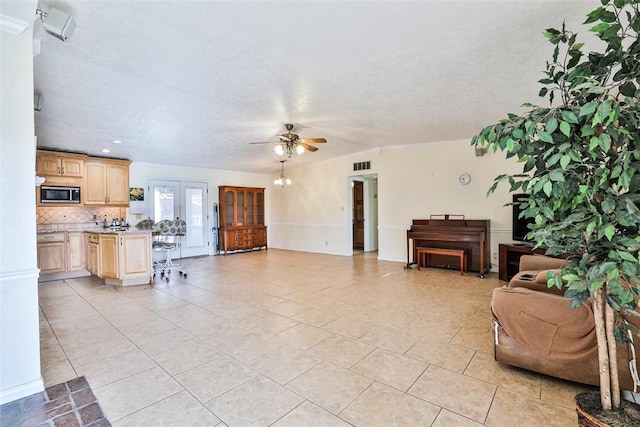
{"x":464,"y":178}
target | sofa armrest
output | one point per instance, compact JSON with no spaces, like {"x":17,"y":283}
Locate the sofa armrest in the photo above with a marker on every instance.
{"x":543,"y":323}
{"x":540,"y":262}
{"x":535,"y":280}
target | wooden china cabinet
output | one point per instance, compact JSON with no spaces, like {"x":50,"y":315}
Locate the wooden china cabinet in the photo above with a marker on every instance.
{"x":241,"y":219}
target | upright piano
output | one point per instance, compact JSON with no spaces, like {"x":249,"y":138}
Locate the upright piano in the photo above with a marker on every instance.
{"x":443,"y":231}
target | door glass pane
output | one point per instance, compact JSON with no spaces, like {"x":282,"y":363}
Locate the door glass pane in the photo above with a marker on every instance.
{"x":194,"y":214}
{"x":240,"y":208}
{"x":163,"y":206}
{"x":230,"y":204}
{"x":260,"y":208}
{"x":249,"y":208}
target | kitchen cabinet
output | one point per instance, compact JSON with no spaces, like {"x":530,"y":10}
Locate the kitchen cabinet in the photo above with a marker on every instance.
{"x":241,"y":218}
{"x":61,"y":252}
{"x":93,"y":253}
{"x":108,"y":253}
{"x":106,"y":182}
{"x":51,"y":253}
{"x":75,"y":251}
{"x":52,"y":163}
{"x":121,"y":259}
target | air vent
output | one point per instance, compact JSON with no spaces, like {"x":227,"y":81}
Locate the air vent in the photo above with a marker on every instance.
{"x":361,"y":166}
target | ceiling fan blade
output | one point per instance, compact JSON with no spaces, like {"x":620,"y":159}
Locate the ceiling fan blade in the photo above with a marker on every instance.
{"x":314,"y":140}
{"x":265,"y":142}
{"x":309,"y":147}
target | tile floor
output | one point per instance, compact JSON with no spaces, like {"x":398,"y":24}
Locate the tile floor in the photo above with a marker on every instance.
{"x":293,"y":339}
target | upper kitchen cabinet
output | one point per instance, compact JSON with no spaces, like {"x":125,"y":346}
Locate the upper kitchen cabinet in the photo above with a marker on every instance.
{"x":54,"y":164}
{"x":106,"y":182}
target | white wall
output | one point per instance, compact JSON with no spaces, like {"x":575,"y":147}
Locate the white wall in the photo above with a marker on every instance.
{"x":413,"y":182}
{"x":19,"y":332}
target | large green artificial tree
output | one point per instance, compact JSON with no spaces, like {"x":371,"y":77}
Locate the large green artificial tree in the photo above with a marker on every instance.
{"x":581,"y":170}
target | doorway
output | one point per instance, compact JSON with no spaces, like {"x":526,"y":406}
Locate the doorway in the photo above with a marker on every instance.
{"x":364,"y":212}
{"x":358,"y":215}
{"x":182,"y":200}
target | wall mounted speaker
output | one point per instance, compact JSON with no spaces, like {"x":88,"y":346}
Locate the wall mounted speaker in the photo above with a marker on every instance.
{"x":37,"y":102}
{"x":59,"y":24}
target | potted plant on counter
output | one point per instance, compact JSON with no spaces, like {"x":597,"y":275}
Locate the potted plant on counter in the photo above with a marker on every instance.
{"x":581,"y":170}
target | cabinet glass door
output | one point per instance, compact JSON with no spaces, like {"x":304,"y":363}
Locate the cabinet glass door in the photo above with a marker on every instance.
{"x":260,"y":208}
{"x":240,"y":208}
{"x":230,"y":217}
{"x":250,"y":208}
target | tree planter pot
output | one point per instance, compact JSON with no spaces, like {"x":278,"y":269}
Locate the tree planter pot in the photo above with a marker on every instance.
{"x":590,"y":413}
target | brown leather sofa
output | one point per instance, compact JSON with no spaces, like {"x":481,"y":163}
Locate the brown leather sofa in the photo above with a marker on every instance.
{"x":535,"y":328}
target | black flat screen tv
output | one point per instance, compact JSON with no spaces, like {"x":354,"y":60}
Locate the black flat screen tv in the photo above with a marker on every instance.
{"x":520,"y":225}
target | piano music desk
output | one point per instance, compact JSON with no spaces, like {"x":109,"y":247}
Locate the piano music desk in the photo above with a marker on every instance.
{"x":425,"y":252}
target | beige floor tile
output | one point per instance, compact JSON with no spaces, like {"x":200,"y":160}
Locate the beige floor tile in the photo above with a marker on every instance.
{"x":562,"y":392}
{"x":514,"y":409}
{"x":139,"y":330}
{"x":218,"y":332}
{"x":133,"y":393}
{"x":448,"y":356}
{"x":72,"y":324}
{"x":329,"y":386}
{"x":56,"y":373}
{"x":290,"y":308}
{"x":433,"y":330}
{"x":478,"y":338}
{"x":349,"y":327}
{"x":83,"y":355}
{"x":464,"y":395}
{"x":303,"y":336}
{"x":249,"y":346}
{"x":310,"y":415}
{"x":448,"y":419}
{"x":90,"y":336}
{"x":186,"y":356}
{"x":284,"y":364}
{"x":317,"y":316}
{"x":215,"y":377}
{"x":390,"y":368}
{"x":174,"y":321}
{"x":484,"y":367}
{"x":270,"y":323}
{"x":372,"y":408}
{"x":55,"y":289}
{"x":391,"y":339}
{"x":181,"y":409}
{"x":258,"y":402}
{"x":115,"y":368}
{"x":341,"y":351}
{"x":160,"y":342}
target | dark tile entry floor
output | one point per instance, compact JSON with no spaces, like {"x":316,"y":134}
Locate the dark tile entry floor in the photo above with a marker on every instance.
{"x":70,"y":404}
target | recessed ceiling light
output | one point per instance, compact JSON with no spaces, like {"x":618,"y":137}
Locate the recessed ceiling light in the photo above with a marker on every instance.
{"x":106,"y":150}
{"x":117,"y":141}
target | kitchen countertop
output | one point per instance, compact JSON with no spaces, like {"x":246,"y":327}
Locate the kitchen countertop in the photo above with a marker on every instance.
{"x":100,"y":230}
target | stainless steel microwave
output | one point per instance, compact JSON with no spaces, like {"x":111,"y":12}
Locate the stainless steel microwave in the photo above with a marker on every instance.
{"x":49,"y":194}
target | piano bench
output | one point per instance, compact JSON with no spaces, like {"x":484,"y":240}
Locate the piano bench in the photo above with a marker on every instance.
{"x":423,"y":253}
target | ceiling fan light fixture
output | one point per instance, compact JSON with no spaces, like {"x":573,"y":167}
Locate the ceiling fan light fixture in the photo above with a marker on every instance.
{"x":279,"y":150}
{"x":299,"y":149}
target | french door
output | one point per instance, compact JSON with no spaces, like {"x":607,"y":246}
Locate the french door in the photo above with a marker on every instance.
{"x":184,"y":200}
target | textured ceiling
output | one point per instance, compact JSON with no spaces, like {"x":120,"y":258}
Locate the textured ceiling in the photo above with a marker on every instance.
{"x":193,"y":82}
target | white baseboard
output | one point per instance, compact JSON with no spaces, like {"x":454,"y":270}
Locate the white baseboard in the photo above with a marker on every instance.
{"x":22,"y":390}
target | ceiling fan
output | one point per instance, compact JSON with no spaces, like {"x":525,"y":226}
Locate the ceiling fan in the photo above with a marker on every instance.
{"x":291,"y":142}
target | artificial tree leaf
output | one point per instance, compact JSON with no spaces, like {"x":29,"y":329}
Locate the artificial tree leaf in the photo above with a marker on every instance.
{"x":569,"y":116}
{"x":565,"y":128}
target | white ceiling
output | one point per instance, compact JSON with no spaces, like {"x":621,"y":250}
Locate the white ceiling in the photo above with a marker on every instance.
{"x":193,"y":82}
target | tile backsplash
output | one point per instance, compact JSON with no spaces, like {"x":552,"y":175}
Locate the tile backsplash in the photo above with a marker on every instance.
{"x":75,"y":217}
